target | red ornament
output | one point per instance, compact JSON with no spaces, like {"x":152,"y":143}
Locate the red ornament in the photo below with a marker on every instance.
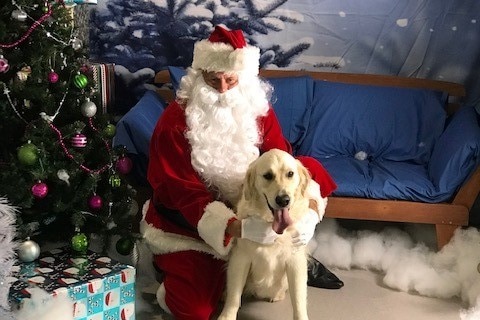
{"x":95,"y":202}
{"x":85,"y":69}
{"x":39,"y":190}
{"x":79,"y":140}
{"x":53,"y":77}
{"x":124,"y":165}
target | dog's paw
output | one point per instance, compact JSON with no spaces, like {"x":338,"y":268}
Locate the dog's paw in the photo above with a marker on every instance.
{"x":280,"y":296}
{"x":227,"y":316}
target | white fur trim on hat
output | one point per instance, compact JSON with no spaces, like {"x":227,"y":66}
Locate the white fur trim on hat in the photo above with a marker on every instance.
{"x":213,"y":224}
{"x":221,"y":57}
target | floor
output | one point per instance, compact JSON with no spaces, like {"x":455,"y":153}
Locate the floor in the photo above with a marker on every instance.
{"x":362,"y":298}
{"x":365,"y":295}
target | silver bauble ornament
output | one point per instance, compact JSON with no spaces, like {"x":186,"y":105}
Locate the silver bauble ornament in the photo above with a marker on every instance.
{"x":19,"y":15}
{"x":133,"y":208}
{"x":28,"y":251}
{"x":89,"y":109}
{"x":77,"y":44}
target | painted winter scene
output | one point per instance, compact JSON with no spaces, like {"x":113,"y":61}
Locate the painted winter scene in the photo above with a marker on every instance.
{"x":407,"y":38}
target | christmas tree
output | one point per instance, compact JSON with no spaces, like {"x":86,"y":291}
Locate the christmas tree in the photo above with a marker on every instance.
{"x":56,"y":161}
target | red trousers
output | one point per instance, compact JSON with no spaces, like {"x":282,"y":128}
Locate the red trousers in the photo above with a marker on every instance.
{"x":194,"y":283}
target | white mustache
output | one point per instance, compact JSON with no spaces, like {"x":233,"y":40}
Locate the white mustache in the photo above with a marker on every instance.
{"x":228,"y":99}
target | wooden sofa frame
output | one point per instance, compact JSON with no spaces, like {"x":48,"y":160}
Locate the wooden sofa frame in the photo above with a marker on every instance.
{"x":446,"y":216}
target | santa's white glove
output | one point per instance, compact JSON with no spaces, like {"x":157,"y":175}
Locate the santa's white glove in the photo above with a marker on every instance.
{"x":258,"y":230}
{"x":304,"y":229}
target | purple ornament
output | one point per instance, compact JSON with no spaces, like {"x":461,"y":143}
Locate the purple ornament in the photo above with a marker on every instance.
{"x":79,"y":140}
{"x":124,"y":165}
{"x":53,"y":77}
{"x":95,"y":202}
{"x":39,"y":190}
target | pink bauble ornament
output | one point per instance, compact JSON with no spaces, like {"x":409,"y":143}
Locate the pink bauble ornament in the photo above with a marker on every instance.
{"x":4,"y":66}
{"x":79,"y":140}
{"x":95,"y":202}
{"x":53,"y":77}
{"x":39,"y":190}
{"x":124,"y":165}
{"x":85,"y":69}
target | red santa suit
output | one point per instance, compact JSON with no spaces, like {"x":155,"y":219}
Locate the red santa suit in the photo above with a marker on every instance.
{"x":178,"y":187}
{"x":185,"y":220}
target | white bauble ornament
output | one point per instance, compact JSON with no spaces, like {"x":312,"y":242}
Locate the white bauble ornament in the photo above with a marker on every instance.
{"x":28,"y":251}
{"x":89,"y":109}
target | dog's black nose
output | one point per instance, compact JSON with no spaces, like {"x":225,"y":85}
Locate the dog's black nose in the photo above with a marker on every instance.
{"x":283,"y":200}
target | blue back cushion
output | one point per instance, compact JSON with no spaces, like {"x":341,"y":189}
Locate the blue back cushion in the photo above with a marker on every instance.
{"x":397,"y":124}
{"x":292,"y":100}
{"x":134,"y":130}
{"x":457,"y":152}
{"x":176,"y":74}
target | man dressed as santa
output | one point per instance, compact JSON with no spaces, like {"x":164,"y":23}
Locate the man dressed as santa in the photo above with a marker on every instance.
{"x":200,"y":149}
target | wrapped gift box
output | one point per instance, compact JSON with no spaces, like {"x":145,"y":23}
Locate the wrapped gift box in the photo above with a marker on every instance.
{"x":100,"y":287}
{"x":104,"y":78}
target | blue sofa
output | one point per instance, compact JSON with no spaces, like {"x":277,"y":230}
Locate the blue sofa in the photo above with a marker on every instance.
{"x":390,"y":143}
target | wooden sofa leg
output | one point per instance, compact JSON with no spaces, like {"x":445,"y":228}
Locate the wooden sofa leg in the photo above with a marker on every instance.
{"x":444,"y":234}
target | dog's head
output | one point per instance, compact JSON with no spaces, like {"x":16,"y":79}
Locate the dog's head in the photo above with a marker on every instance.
{"x":274,"y":183}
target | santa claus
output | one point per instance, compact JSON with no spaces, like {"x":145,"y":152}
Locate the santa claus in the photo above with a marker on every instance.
{"x":200,"y":149}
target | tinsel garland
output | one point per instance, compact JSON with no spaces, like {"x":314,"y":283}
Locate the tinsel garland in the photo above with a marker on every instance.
{"x":7,"y":253}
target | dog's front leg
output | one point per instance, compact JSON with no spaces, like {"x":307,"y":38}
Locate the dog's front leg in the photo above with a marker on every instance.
{"x":297,"y":284}
{"x":237,"y":272}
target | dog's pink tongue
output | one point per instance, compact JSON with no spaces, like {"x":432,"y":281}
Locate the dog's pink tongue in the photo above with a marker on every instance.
{"x":281,"y":220}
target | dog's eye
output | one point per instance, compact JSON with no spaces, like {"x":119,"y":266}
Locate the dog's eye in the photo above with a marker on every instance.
{"x":290,"y":174}
{"x":268,"y":176}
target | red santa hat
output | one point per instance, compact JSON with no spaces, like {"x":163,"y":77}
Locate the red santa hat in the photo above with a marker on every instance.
{"x":226,"y":51}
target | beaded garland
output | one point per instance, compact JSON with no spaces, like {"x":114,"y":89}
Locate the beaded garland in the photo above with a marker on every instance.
{"x":34,"y":26}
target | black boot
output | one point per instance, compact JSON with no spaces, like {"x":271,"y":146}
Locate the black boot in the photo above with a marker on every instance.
{"x":320,"y":277}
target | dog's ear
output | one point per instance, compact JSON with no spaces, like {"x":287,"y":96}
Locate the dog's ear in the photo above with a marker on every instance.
{"x":249,"y":183}
{"x":304,"y":177}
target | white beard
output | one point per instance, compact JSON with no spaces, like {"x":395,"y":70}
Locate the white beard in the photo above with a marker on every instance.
{"x":224,"y":136}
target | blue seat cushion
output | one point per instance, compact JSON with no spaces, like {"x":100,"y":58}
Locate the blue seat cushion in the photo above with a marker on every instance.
{"x":382,"y":179}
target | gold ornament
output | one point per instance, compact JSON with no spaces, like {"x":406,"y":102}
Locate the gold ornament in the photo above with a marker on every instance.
{"x":24,"y":73}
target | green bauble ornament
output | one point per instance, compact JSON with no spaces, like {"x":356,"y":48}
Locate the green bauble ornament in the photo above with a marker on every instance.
{"x":110,"y":130}
{"x":115,"y":180}
{"x":80,"y":243}
{"x":80,"y":81}
{"x":124,"y":246}
{"x":28,"y":154}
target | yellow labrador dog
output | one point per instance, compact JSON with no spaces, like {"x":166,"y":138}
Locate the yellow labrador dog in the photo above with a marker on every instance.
{"x":274,"y":190}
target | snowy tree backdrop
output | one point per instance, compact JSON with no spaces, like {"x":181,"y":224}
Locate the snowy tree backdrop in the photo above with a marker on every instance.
{"x":412,"y":38}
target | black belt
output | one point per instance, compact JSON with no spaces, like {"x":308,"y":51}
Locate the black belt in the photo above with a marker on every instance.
{"x":174,"y":216}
